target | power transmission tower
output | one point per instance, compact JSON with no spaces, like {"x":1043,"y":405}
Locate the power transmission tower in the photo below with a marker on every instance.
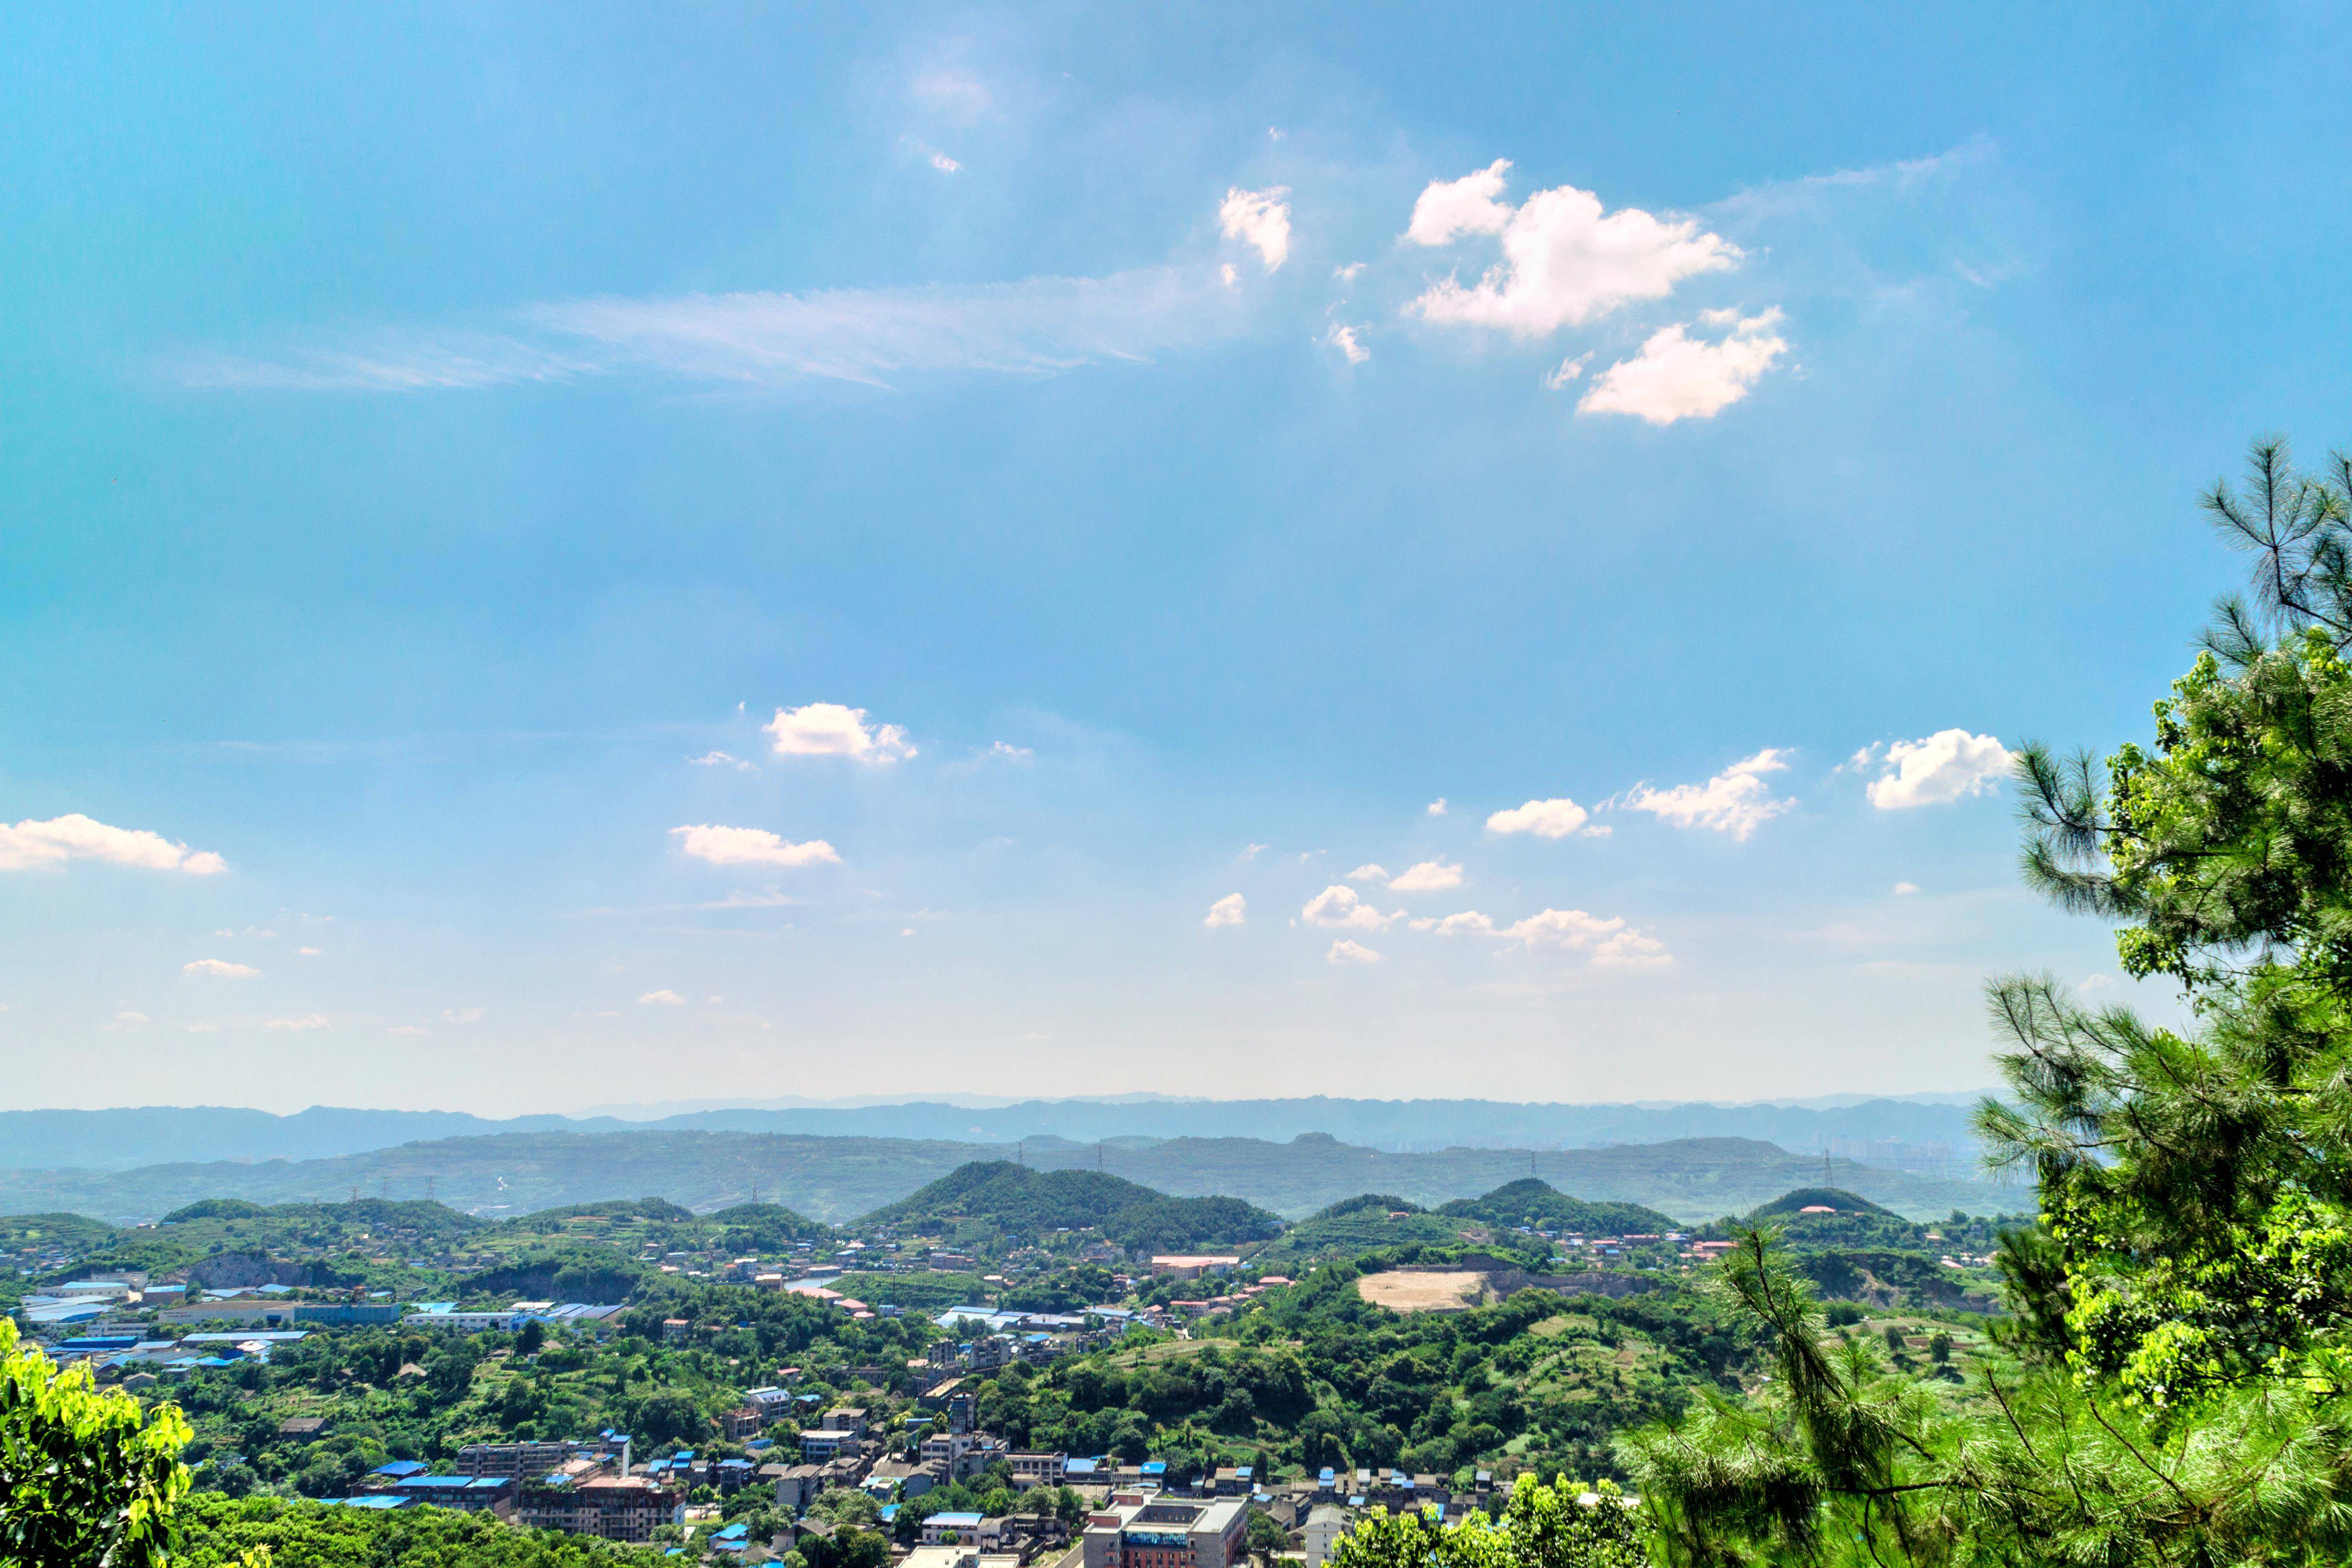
{"x":428,"y":1189}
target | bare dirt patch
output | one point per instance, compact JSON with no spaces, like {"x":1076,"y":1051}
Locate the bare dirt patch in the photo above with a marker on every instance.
{"x":1423,"y":1291}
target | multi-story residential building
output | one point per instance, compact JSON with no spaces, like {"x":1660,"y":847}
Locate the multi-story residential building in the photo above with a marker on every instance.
{"x":827,"y":1443}
{"x":967,"y":1529}
{"x":1038,"y":1470}
{"x":1193,"y":1264}
{"x":796,"y":1484}
{"x":517,"y":1460}
{"x":1326,"y":1523}
{"x":944,"y":1449}
{"x":469,"y":1494}
{"x":617,"y":1507}
{"x":1140,"y":1529}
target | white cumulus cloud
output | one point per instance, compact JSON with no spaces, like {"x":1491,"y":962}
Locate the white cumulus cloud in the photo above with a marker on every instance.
{"x":1342,"y":336}
{"x":308,"y":951}
{"x":720,"y":760}
{"x":1368,"y":873}
{"x":1429,"y":876}
{"x":1564,"y":259}
{"x":831,"y":729}
{"x":461,"y":1015}
{"x":1678,"y":376}
{"x":299,"y":1025}
{"x":1554,"y":818}
{"x":220,"y":967}
{"x":1260,"y":219}
{"x":1630,"y":949}
{"x":73,"y":836}
{"x":1233,"y":910}
{"x":1737,"y":801}
{"x":944,"y":164}
{"x":751,"y":847}
{"x":1346,"y":951}
{"x":662,"y":998}
{"x":1946,"y":766}
{"x":128,"y":1021}
{"x":1438,"y":807}
{"x":1609,"y":942}
{"x":1339,"y":907}
{"x":1904,"y":889}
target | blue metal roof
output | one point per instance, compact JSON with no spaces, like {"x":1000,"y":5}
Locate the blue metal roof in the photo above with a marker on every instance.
{"x":399,"y":1470}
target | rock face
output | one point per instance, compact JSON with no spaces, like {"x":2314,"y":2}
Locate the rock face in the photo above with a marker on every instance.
{"x":233,"y":1270}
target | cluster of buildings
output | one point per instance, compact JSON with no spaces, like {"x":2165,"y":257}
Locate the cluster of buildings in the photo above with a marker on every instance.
{"x":581,"y":1488}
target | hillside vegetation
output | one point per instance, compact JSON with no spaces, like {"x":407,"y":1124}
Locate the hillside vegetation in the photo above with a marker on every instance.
{"x":1538,"y":1206}
{"x":1016,"y":1200}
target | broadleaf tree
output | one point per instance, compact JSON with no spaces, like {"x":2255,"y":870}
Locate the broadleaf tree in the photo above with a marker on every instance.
{"x":86,"y":1478}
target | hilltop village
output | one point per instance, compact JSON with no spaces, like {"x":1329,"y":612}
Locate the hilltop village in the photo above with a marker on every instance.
{"x":1007,"y":1368}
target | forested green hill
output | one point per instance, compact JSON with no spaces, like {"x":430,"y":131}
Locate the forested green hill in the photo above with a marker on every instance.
{"x":1016,"y":1200}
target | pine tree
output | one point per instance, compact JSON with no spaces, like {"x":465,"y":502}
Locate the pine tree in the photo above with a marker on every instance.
{"x":2178,"y":1388}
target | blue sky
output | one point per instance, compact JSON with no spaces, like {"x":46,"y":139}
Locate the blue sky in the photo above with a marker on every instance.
{"x":568,"y":554}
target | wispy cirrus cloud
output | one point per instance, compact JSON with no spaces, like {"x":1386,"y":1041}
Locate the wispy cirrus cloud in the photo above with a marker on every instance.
{"x":753,"y":340}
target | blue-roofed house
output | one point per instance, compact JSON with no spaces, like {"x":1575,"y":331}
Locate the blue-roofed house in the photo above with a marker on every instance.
{"x":399,"y":1470}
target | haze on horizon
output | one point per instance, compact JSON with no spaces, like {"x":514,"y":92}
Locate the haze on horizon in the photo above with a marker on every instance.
{"x":1024,"y":552}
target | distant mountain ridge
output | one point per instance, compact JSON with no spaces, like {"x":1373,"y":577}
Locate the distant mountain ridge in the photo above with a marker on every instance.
{"x":838,"y":1178}
{"x":1898,"y":1133}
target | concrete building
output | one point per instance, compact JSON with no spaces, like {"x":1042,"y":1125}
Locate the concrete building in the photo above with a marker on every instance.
{"x":1193,"y":1264}
{"x":468,"y":1494}
{"x":617,"y":1507}
{"x":1326,"y":1523}
{"x":1038,"y":1470}
{"x":969,"y":1530}
{"x":827,"y":1443}
{"x":517,"y":1460}
{"x":1140,"y":1529}
{"x":797,"y":1485}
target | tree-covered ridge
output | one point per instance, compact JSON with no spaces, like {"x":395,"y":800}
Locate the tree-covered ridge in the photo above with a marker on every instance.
{"x":1536,"y":1204}
{"x":1018,"y":1200}
{"x":1835,"y":1199}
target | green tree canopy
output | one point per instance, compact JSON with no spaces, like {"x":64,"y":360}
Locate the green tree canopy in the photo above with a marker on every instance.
{"x":2181,"y":1391}
{"x":1555,"y":1526}
{"x":87,"y":1479}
